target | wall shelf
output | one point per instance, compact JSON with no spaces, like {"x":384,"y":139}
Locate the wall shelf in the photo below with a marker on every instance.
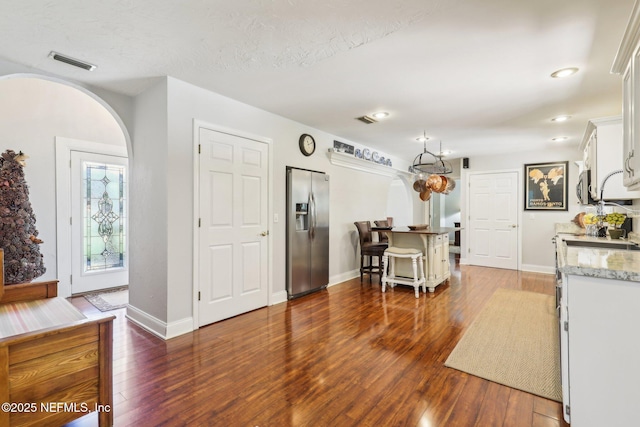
{"x":352,"y":162}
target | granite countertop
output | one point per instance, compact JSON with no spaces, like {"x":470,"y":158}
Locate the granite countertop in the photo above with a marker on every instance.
{"x":606,"y":263}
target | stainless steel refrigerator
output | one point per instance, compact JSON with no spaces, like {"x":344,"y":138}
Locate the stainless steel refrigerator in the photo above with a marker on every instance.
{"x":307,"y":231}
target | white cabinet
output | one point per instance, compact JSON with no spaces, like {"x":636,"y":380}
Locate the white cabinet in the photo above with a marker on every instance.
{"x":602,"y":317}
{"x":630,"y":127}
{"x":602,"y":146}
{"x":438,"y":248}
{"x":627,"y":64}
{"x":586,"y":151}
{"x":435,"y":246}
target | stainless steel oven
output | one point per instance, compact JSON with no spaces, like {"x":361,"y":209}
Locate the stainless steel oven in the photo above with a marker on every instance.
{"x":583,"y":189}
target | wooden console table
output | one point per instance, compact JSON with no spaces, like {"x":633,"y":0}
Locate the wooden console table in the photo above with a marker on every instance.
{"x":55,"y":363}
{"x":29,"y":291}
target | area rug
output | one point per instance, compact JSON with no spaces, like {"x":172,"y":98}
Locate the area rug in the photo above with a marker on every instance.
{"x":111,"y":299}
{"x":514,"y":342}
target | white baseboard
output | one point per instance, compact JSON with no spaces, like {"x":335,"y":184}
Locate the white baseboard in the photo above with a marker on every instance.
{"x":538,"y":268}
{"x":343,"y":277}
{"x":158,"y":327}
{"x":283,"y":296}
{"x":179,"y":327}
{"x":279,"y":297}
{"x":524,"y":267}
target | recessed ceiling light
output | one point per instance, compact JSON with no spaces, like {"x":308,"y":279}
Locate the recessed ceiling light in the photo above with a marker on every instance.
{"x":380,"y":115}
{"x":422,"y":138}
{"x":564,"y":72}
{"x":560,"y":119}
{"x":445,"y":152}
{"x":559,"y":138}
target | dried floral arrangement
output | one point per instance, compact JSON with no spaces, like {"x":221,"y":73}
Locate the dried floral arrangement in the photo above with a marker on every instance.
{"x":18,"y":234}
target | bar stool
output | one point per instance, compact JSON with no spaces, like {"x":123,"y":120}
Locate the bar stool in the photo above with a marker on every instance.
{"x":370,"y":249}
{"x":416,"y":261}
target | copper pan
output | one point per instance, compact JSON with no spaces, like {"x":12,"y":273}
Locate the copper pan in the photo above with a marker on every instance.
{"x":425,"y":195}
{"x":434,"y":181}
{"x":451,"y":184}
{"x":443,"y":185}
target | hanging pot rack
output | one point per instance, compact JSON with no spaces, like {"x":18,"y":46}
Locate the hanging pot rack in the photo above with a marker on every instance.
{"x":430,"y":163}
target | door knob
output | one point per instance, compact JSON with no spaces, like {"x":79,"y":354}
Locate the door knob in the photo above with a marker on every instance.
{"x":513,"y":226}
{"x":264,"y":233}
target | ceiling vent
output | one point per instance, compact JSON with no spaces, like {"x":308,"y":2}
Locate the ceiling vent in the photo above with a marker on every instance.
{"x":71,"y":61}
{"x":366,"y":119}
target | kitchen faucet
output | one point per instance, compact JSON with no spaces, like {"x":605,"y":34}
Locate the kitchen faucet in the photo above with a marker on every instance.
{"x":601,"y":203}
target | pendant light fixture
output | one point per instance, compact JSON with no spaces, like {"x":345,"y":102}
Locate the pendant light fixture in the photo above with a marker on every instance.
{"x":429,"y":163}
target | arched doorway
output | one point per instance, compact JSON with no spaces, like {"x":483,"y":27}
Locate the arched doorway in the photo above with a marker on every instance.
{"x":34,"y":111}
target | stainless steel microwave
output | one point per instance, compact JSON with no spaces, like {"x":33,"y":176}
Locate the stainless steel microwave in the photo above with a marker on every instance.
{"x":583,"y":189}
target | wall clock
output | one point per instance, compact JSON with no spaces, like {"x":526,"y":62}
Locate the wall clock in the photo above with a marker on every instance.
{"x":307,"y":144}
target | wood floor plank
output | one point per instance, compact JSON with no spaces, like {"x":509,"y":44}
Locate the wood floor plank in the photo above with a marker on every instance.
{"x":548,"y":408}
{"x":519,"y":409}
{"x":467,"y":407}
{"x":348,"y":355}
{"x":494,"y":408}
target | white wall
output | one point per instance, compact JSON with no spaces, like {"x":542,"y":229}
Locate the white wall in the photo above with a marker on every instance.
{"x":537,"y":227}
{"x":160,"y":122}
{"x":162,"y":179}
{"x":148,"y":205}
{"x":452,"y":206}
{"x":33,"y":112}
{"x":399,"y":203}
{"x":355,"y":195}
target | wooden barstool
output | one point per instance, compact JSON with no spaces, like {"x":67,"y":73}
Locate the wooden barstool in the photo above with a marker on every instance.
{"x":416,"y":261}
{"x":370,"y":249}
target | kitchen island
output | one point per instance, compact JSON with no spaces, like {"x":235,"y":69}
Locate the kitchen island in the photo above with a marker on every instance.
{"x":434,"y":244}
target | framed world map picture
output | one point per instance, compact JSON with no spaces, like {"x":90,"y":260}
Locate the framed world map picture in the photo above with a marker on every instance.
{"x":546,"y":186}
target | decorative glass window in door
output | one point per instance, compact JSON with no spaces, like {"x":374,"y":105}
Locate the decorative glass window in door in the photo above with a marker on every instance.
{"x":104,"y":216}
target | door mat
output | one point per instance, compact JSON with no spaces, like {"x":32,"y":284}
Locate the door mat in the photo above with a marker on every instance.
{"x":111,"y":299}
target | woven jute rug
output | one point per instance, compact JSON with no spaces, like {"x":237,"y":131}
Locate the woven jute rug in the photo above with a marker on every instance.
{"x":514,"y":342}
{"x":111,"y":299}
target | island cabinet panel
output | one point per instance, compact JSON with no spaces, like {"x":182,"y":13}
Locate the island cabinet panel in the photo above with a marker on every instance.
{"x":434,"y":244}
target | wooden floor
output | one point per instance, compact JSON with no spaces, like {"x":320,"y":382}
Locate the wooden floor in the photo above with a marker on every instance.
{"x":346,"y":356}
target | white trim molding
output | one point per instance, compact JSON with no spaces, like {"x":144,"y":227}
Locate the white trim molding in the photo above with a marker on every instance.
{"x":629,"y":42}
{"x":278,"y":297}
{"x":352,"y":162}
{"x":64,"y":147}
{"x":156,"y":326}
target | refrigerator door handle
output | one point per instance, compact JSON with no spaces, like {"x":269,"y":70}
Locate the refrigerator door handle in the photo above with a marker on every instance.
{"x":312,"y":230}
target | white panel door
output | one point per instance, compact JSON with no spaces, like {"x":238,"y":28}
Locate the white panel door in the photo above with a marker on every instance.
{"x":493,"y":220}
{"x":99,"y":255}
{"x":233,"y":234}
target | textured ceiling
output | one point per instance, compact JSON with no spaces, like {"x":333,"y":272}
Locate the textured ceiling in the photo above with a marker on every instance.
{"x":471,"y":73}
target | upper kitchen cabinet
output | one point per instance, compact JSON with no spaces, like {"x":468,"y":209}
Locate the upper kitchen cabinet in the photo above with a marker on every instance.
{"x":602,"y":150}
{"x":627,"y":64}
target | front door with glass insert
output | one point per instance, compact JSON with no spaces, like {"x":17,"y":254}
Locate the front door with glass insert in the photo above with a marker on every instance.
{"x":99,"y":222}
